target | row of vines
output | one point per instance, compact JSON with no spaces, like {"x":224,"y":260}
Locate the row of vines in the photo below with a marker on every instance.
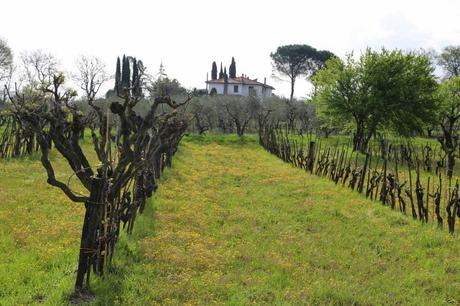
{"x":405,"y":177}
{"x":116,"y":167}
{"x":16,"y":138}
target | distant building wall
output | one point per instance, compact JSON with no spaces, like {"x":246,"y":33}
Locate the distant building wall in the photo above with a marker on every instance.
{"x":243,"y":89}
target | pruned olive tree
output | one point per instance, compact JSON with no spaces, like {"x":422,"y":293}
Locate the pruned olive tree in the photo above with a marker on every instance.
{"x":17,"y":138}
{"x":131,"y":150}
{"x":240,"y":111}
{"x":203,"y":114}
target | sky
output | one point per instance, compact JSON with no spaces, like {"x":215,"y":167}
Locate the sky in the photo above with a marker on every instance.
{"x":188,"y":35}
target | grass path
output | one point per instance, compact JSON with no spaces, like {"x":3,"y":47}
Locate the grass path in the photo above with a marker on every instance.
{"x":232,"y":224}
{"x":235,"y":225}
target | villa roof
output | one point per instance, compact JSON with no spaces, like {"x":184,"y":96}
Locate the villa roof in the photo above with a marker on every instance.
{"x":239,"y":80}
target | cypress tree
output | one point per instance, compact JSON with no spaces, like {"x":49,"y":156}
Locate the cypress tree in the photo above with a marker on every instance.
{"x":125,"y":73}
{"x":232,"y":69}
{"x":214,"y":71}
{"x":140,"y":72}
{"x":135,"y":81}
{"x":117,"y":76}
{"x":225,"y":72}
{"x":221,"y":73}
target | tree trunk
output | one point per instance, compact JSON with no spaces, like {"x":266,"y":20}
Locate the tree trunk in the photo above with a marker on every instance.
{"x":311,"y":156}
{"x":429,"y":132}
{"x":358,"y":138}
{"x":327,"y":132}
{"x":239,"y":128}
{"x":449,"y":144}
{"x":157,"y":164}
{"x":292,"y":89}
{"x":89,"y":243}
{"x":450,"y":164}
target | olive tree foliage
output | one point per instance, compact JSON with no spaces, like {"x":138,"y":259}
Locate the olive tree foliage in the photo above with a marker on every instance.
{"x":275,"y":111}
{"x":381,"y":90}
{"x":240,"y":111}
{"x":202,"y":114}
{"x":229,"y":114}
{"x":6,"y":60}
{"x":449,"y":60}
{"x":449,"y":120}
{"x":294,"y":61}
{"x":299,"y":115}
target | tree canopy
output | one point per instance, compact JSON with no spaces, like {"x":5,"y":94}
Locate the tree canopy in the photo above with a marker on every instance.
{"x":387,"y":89}
{"x":297,"y":60}
{"x":449,"y":120}
{"x":449,"y":97}
{"x":166,"y":86}
{"x":449,"y":60}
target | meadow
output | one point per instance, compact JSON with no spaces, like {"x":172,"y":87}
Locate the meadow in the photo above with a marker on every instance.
{"x":230,"y":224}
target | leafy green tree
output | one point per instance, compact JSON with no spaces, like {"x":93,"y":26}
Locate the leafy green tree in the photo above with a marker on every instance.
{"x":387,"y":89}
{"x":449,"y":60}
{"x":232,"y":69}
{"x":297,"y":60}
{"x":321,"y":58}
{"x":449,"y":119}
{"x":214,"y":71}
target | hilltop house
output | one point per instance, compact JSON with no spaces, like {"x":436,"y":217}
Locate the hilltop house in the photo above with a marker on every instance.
{"x":241,"y":86}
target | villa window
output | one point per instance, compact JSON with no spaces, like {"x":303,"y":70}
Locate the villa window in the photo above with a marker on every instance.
{"x":235,"y":88}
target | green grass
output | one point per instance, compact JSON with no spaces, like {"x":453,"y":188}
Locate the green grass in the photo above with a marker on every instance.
{"x":230,"y":224}
{"x":336,"y":144}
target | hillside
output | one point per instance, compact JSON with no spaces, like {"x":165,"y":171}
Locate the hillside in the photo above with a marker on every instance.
{"x":230,"y":224}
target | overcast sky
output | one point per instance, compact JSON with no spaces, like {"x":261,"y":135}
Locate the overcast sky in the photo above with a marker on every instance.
{"x":188,"y":35}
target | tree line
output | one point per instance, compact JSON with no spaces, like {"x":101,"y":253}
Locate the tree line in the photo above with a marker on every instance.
{"x":392,"y":91}
{"x":223,"y":72}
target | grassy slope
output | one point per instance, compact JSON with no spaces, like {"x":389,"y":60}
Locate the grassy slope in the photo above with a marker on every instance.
{"x":230,"y":224}
{"x":39,"y":234}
